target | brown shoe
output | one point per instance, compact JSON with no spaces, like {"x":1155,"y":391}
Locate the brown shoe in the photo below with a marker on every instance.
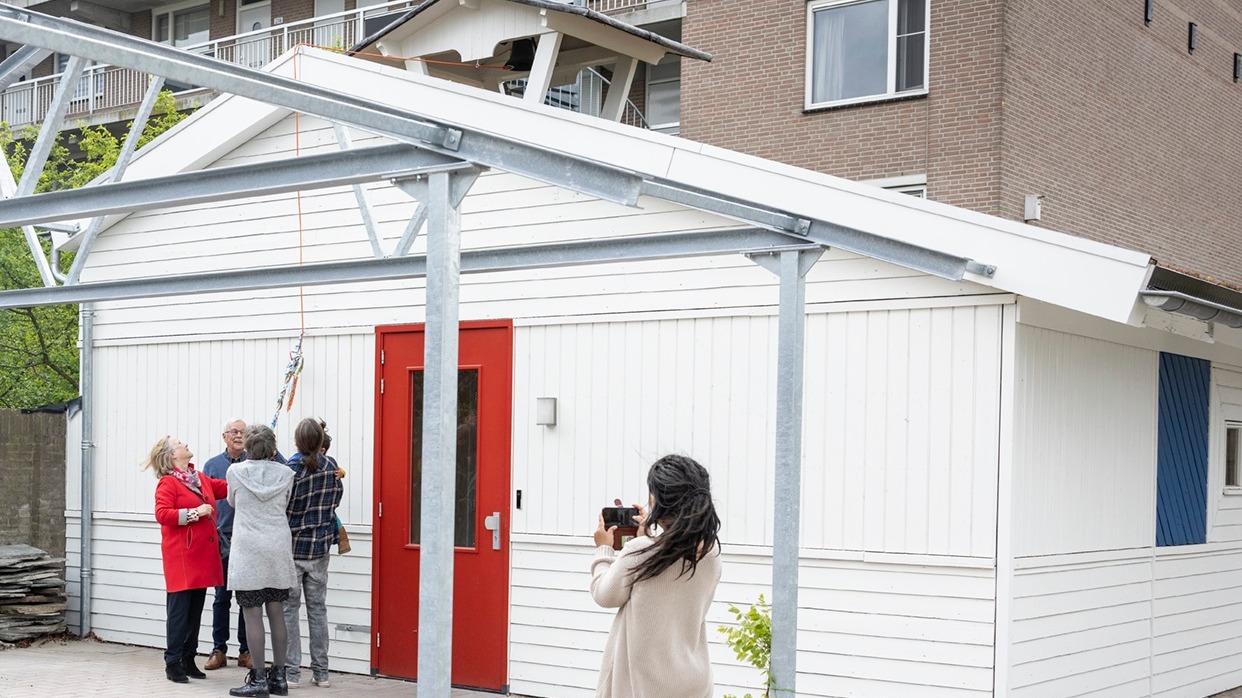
{"x":215,"y":661}
{"x":243,"y":660}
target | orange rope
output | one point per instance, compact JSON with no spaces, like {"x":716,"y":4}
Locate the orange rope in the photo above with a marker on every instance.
{"x":297,"y":152}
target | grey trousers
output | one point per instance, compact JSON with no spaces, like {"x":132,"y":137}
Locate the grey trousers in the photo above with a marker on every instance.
{"x":313,"y":584}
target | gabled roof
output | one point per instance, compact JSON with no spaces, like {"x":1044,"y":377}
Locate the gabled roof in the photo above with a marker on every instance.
{"x":405,"y":22}
{"x":1071,"y":272}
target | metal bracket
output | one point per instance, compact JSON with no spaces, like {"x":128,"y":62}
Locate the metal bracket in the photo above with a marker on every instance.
{"x":770,"y":259}
{"x":973,"y":267}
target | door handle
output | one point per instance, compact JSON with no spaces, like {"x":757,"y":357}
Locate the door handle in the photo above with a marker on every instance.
{"x":492,"y":523}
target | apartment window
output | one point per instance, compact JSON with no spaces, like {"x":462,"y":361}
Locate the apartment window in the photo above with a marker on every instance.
{"x":1233,"y":430}
{"x":863,"y":50}
{"x":914,"y":185}
{"x":182,"y":25}
{"x":664,"y":95}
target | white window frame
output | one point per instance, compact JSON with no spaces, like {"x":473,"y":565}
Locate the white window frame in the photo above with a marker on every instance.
{"x":891,"y":91}
{"x":673,"y":127}
{"x":914,"y":185}
{"x":171,"y":10}
{"x":1231,"y":425}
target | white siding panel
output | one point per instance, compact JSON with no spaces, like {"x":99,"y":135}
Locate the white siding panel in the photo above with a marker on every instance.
{"x":502,"y":209}
{"x":189,"y":389}
{"x":630,"y":392}
{"x":1081,"y":628}
{"x":128,"y":598}
{"x":902,"y":418}
{"x":867,"y":630}
{"x":1197,"y":624}
{"x":1084,"y":444}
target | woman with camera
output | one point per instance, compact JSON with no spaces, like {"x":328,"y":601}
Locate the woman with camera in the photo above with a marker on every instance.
{"x":662,"y":583}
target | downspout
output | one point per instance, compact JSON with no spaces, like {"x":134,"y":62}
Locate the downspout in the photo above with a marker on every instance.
{"x":86,"y":383}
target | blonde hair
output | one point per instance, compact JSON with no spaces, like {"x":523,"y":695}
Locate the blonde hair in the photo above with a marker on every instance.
{"x":160,"y":459}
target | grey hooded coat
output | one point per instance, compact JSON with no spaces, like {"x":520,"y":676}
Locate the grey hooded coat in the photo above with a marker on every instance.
{"x":262,"y":548}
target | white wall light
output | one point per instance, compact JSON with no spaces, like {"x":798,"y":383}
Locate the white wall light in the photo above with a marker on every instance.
{"x":545,"y":411}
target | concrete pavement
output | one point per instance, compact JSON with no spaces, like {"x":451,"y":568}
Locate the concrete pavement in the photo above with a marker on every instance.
{"x":94,"y":669}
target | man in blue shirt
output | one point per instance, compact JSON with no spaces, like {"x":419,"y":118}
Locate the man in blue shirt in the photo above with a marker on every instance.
{"x":234,"y":441}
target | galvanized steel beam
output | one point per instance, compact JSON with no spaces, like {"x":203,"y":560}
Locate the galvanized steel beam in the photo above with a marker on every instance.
{"x":364,"y":204}
{"x":259,"y":179}
{"x":817,"y":231}
{"x":117,"y":172}
{"x":22,"y":60}
{"x":416,"y":188}
{"x":562,"y":254}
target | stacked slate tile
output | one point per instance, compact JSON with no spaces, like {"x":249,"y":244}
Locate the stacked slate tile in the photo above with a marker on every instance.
{"x":32,"y":593}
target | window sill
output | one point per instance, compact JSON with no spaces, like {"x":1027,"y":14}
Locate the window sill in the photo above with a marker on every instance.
{"x":904,"y":96}
{"x":1232,"y":491}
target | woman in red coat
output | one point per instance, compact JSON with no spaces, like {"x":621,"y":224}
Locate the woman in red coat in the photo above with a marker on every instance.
{"x":185,"y":507}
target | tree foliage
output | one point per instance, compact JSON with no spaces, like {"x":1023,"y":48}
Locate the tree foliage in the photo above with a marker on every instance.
{"x":38,"y":346}
{"x":751,"y":639}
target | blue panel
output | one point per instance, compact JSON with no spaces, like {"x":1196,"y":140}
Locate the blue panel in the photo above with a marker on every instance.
{"x":1182,"y":451}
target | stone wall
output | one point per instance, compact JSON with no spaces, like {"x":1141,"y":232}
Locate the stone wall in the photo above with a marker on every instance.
{"x":32,"y":480}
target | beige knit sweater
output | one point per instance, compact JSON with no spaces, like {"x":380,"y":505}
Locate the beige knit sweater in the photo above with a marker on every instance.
{"x":657,"y":647}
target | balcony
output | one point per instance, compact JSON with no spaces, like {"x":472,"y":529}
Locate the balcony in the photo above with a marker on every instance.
{"x":106,"y":93}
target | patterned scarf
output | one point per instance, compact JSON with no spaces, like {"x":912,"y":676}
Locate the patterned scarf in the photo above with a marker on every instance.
{"x":189,"y":477}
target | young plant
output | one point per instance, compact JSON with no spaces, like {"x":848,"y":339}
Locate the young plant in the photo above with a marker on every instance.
{"x":751,"y":639}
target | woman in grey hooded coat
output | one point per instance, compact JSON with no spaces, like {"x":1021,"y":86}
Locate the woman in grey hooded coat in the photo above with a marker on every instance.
{"x":261,"y":558}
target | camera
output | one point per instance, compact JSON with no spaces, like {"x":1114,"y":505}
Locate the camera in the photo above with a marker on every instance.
{"x":621,"y":517}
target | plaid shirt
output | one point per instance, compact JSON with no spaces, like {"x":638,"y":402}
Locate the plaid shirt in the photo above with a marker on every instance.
{"x":312,"y":508}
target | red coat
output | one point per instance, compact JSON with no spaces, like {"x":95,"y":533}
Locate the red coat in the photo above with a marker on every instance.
{"x":191,"y":552}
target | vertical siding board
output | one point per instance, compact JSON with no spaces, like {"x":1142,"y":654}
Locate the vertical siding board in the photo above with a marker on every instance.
{"x":897,"y":411}
{"x":1182,"y":450}
{"x":815,"y":435}
{"x":940,"y":425}
{"x":843,"y":531}
{"x":1082,"y":480}
{"x":986,"y":430}
{"x":875,"y":398}
{"x":918,"y":452}
{"x":854,"y":461}
{"x":522,"y":447}
{"x":961,"y":486}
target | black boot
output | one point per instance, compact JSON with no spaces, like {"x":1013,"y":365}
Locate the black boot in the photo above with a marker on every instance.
{"x":277,"y":682}
{"x":254,"y":686}
{"x":175,"y":672}
{"x":187,"y":664}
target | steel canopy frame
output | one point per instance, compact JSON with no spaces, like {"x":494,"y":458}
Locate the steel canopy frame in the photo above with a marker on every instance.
{"x":444,"y":149}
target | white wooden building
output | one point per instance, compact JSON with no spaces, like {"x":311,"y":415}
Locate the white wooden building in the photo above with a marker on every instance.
{"x":980,"y":459}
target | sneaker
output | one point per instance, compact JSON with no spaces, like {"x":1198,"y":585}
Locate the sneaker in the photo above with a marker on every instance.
{"x":215,"y":661}
{"x":293,"y":683}
{"x":243,"y":661}
{"x":321,"y":682}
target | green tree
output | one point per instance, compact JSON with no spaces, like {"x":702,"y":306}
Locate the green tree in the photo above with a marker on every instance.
{"x":38,"y":346}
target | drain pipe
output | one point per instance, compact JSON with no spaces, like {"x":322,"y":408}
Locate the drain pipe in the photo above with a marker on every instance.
{"x":86,"y":382}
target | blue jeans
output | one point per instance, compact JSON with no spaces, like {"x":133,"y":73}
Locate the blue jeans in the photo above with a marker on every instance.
{"x":313,"y":584}
{"x":220,"y":617}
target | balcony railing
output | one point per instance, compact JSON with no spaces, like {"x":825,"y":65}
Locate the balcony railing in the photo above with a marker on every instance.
{"x":105,"y":88}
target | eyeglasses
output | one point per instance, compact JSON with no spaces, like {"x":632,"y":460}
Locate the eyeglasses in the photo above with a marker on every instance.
{"x":234,"y":432}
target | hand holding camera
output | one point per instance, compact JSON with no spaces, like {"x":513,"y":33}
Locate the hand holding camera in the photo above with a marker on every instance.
{"x":618,"y":523}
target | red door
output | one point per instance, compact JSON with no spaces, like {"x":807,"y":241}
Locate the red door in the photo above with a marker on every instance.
{"x":481,"y":558}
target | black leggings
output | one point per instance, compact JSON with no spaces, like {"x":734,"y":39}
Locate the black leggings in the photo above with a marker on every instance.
{"x":254,"y":633}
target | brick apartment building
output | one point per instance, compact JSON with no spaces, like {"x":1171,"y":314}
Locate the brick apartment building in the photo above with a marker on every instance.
{"x":1121,"y":120}
{"x":1129,"y":135}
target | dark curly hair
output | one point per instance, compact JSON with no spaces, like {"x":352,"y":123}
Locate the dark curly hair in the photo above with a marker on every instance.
{"x":684,"y":511}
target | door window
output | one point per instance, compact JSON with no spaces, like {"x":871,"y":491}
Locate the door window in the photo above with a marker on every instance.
{"x":467,"y":457}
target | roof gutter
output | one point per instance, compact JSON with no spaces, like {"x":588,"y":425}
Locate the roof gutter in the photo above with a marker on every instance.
{"x":1198,"y":308}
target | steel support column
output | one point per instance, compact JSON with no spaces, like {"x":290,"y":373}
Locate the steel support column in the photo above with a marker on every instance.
{"x":435,"y":580}
{"x":86,"y":381}
{"x":416,"y":188}
{"x":791,"y":266}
